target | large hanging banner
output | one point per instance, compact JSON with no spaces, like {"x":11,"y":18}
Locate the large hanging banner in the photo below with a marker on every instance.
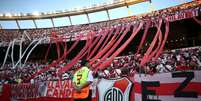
{"x":114,"y":90}
{"x":177,"y":86}
{"x":59,"y":89}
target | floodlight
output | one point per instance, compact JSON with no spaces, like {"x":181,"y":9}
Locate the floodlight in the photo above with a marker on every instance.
{"x":8,"y":15}
{"x":36,"y":13}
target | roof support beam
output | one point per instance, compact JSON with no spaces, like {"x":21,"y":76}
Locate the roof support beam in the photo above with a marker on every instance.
{"x":108,"y":14}
{"x":129,"y":11}
{"x":87,"y":14}
{"x":70,"y":20}
{"x":150,"y":1}
{"x":88,"y":17}
{"x":1,"y":26}
{"x":52,"y":22}
{"x":18,"y":25}
{"x":126,"y":4}
{"x":34,"y":21}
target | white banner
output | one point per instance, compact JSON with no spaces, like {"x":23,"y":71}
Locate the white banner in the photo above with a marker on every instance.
{"x":178,"y":86}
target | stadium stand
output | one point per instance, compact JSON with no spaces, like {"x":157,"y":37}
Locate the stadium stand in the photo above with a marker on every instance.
{"x":37,"y":70}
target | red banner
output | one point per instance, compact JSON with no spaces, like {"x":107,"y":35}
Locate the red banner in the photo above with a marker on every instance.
{"x":183,"y":15}
{"x":24,"y":91}
{"x":59,"y":89}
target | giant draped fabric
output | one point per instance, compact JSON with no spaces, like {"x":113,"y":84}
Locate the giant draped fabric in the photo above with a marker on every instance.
{"x":102,"y":45}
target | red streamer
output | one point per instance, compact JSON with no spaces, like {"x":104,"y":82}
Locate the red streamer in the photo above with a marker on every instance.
{"x":99,"y":43}
{"x":114,"y":46}
{"x":144,"y":36}
{"x":46,"y":55}
{"x":94,"y":42}
{"x":159,"y":43}
{"x":146,"y":55}
{"x":55,"y":38}
{"x":164,"y":40}
{"x":108,"y":46}
{"x":106,"y":41}
{"x":78,"y":57}
{"x":92,"y":37}
{"x":119,"y":50}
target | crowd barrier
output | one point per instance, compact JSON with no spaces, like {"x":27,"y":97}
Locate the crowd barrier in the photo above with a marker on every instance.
{"x":176,"y":86}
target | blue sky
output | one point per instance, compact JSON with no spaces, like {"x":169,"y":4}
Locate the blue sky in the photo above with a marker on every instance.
{"x":30,"y":6}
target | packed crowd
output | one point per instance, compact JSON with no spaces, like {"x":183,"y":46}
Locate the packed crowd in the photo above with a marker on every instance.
{"x":169,"y":61}
{"x":16,"y":75}
{"x":9,"y":35}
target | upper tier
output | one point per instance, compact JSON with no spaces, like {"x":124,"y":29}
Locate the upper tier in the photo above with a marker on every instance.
{"x":69,"y":31}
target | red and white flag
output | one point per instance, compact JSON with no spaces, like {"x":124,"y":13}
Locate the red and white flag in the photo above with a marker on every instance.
{"x":114,"y":90}
{"x":178,"y":86}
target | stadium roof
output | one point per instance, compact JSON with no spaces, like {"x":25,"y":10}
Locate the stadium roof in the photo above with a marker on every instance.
{"x":20,"y":14}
